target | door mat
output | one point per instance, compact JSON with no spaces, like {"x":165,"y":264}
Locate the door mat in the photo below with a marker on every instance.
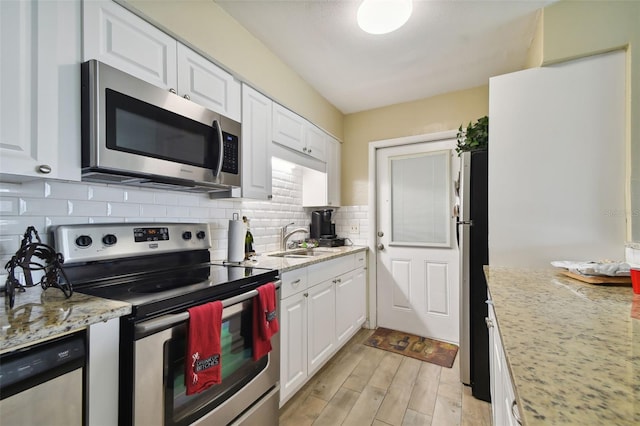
{"x":422,"y":348}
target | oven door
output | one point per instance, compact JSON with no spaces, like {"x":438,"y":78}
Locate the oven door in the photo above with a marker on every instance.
{"x":159,"y":380}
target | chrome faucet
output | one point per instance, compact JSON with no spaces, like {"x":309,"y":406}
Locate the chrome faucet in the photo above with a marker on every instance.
{"x":284,"y":235}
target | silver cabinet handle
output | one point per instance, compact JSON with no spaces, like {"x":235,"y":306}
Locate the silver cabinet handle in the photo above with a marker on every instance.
{"x":488,"y":322}
{"x":44,"y":168}
{"x":304,"y":149}
{"x":296,"y":282}
{"x":187,"y":97}
{"x":306,"y":294}
{"x":380,"y":234}
{"x":172,"y":90}
{"x":515,"y":412}
{"x":380,"y":246}
{"x":309,"y":151}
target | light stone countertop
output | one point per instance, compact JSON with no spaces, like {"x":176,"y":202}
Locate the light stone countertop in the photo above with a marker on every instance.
{"x":284,"y":264}
{"x":40,"y":315}
{"x":573,"y":349}
{"x":43,"y":314}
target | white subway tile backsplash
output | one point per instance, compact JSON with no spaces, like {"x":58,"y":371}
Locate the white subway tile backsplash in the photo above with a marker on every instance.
{"x":166,"y":198}
{"x":51,"y":203}
{"x":9,"y":244}
{"x":86,"y":208}
{"x":138,"y":196}
{"x":152,"y":210}
{"x":9,"y":206}
{"x":105,"y":193}
{"x":38,"y":206}
{"x":66,"y":191}
{"x":123,"y":210}
{"x":17,"y":225}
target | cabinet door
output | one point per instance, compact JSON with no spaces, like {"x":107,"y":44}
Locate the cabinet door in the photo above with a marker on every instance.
{"x":288,"y":128}
{"x":293,"y":344}
{"x":350,"y":304}
{"x":119,"y":38}
{"x":315,"y":144}
{"x":206,"y":84}
{"x":40,"y":86}
{"x":334,"y":155}
{"x":322,"y":320}
{"x":256,"y":144}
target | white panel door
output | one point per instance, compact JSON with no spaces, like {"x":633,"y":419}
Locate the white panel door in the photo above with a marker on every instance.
{"x":293,"y":344}
{"x":288,"y":128}
{"x":204,"y":83}
{"x":315,"y":142}
{"x":322,"y":324}
{"x":117,"y":37}
{"x":417,"y":258}
{"x":557,"y":163}
{"x":256,"y":144}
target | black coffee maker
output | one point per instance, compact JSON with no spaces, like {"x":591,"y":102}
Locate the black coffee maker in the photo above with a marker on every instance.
{"x":321,"y":226}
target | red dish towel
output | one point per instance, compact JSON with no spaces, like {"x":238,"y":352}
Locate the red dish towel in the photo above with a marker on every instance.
{"x":265,"y":320}
{"x":202,"y":363}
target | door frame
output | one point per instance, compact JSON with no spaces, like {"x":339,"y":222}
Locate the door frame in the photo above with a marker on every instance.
{"x":374,"y":146}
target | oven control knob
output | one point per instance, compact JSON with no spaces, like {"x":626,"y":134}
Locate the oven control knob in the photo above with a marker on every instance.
{"x":201,"y":235}
{"x":109,"y":240}
{"x":186,"y":235}
{"x":84,"y":241}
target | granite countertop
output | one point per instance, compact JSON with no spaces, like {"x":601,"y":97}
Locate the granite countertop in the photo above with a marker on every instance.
{"x":43,"y":314}
{"x":573,"y":349}
{"x":284,"y":264}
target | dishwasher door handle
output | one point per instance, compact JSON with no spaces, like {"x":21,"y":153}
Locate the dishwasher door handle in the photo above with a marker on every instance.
{"x":166,"y":321}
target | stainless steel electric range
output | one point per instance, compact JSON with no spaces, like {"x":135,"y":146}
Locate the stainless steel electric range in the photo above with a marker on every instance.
{"x":163,"y":269}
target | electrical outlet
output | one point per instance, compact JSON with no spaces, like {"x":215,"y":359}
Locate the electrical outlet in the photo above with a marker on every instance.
{"x":355,"y":229}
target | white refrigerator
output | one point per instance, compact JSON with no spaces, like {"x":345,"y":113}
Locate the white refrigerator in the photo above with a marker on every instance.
{"x":557,"y":163}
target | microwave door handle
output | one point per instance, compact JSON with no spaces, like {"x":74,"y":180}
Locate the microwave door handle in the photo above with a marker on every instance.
{"x":218,"y":126}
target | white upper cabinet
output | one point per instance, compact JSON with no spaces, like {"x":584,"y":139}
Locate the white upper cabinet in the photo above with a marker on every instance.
{"x":40,"y":85}
{"x":119,"y":38}
{"x":294,"y":132}
{"x":206,"y":84}
{"x":322,"y":189}
{"x":334,"y":157}
{"x":315,"y":144}
{"x":256,"y":144}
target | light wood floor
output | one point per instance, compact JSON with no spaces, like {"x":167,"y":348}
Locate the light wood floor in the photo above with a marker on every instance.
{"x":367,"y":386}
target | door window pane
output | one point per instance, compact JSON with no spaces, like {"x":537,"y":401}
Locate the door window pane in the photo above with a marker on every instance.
{"x":420,"y":200}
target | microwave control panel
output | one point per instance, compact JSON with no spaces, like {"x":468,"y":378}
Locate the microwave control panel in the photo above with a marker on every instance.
{"x":231,"y":153}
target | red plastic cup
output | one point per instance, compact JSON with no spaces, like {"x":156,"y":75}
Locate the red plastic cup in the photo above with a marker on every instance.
{"x":635,"y":280}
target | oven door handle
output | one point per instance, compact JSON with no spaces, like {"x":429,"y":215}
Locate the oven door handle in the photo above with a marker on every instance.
{"x":166,"y":321}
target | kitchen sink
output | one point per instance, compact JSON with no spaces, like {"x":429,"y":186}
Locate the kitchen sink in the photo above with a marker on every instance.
{"x":302,"y":253}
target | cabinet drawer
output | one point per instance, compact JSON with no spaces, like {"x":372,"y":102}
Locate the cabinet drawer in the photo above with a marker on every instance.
{"x":330,"y":269}
{"x":360,"y":260}
{"x":293,"y":282}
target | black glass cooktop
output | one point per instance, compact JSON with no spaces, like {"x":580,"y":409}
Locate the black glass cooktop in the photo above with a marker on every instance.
{"x":159,"y":292}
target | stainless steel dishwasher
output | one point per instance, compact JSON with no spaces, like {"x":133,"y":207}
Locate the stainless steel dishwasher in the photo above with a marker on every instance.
{"x":43,"y":383}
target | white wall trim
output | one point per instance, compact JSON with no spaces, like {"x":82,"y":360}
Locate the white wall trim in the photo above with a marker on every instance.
{"x":373,"y":212}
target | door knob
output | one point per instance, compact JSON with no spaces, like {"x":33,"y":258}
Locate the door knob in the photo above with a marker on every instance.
{"x":380,"y":246}
{"x":380,"y":234}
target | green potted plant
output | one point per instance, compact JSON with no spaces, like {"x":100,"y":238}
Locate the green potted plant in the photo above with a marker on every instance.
{"x":475,"y":137}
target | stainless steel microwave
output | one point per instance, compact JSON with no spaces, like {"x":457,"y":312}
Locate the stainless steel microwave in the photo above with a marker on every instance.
{"x":135,"y":133}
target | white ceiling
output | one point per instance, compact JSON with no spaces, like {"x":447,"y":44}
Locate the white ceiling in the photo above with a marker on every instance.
{"x":446,"y":45}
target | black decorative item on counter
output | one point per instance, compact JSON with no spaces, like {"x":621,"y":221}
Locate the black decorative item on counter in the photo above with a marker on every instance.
{"x":54,"y":275}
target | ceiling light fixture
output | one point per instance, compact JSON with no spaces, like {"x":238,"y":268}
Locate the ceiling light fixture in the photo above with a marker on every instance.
{"x":383,"y":16}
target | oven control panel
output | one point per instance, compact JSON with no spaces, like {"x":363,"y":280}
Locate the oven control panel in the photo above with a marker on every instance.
{"x":90,"y":242}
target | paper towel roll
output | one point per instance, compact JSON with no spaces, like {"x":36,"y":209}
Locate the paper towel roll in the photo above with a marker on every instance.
{"x":235,"y":245}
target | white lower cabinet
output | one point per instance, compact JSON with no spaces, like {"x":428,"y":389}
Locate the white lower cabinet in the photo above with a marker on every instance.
{"x":322,"y":307}
{"x":322,"y":319}
{"x":503,"y":402}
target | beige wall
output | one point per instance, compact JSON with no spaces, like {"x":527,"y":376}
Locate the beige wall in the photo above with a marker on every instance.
{"x":436,"y":114}
{"x":208,"y":28}
{"x":575,"y":29}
